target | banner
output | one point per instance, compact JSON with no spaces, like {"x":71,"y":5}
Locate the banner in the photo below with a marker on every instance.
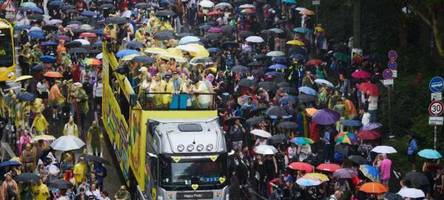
{"x":137,"y":147}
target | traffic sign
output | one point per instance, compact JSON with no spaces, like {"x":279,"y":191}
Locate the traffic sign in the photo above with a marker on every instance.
{"x":437,"y":121}
{"x":436,"y":84}
{"x":436,"y":96}
{"x":316,"y":2}
{"x":392,"y":65}
{"x":387,"y":82}
{"x":387,"y":74}
{"x":436,"y":108}
{"x":392,"y":54}
{"x":395,"y":73}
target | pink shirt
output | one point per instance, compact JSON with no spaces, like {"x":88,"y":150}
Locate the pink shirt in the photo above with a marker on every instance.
{"x":385,"y":169}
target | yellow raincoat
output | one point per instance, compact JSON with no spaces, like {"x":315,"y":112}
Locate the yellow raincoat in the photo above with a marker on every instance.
{"x":40,"y":124}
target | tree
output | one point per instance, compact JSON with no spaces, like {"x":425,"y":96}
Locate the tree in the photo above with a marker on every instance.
{"x":431,"y":13}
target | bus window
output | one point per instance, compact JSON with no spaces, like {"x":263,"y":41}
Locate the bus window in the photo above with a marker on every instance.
{"x":6,"y":48}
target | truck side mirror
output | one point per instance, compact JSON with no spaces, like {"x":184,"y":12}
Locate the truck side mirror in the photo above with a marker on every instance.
{"x":152,"y":155}
{"x":231,"y":153}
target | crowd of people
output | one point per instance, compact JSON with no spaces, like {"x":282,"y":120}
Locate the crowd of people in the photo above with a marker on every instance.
{"x":300,"y":113}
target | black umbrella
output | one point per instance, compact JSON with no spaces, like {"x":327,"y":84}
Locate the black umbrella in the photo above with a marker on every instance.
{"x":230,"y":44}
{"x":60,"y":184}
{"x":267,"y":85}
{"x":101,"y":2}
{"x":27,"y":178}
{"x":144,"y":59}
{"x":26,"y":96}
{"x":213,"y":36}
{"x":165,"y":13}
{"x":106,"y":6}
{"x":283,"y":84}
{"x":68,"y":7}
{"x":69,"y":11}
{"x":50,"y":27}
{"x":256,"y":111}
{"x":287,"y":125}
{"x":417,"y":179}
{"x":246,"y":82}
{"x":255,"y":120}
{"x":184,"y":34}
{"x":77,"y":50}
{"x":37,"y":68}
{"x":287,"y":99}
{"x":116,"y":20}
{"x":10,"y":163}
{"x":392,"y":196}
{"x":164,"y":35}
{"x":239,"y":69}
{"x":277,"y":139}
{"x":142,"y":6}
{"x":92,"y":158}
{"x":276,"y":111}
{"x":80,"y":18}
{"x":305,"y":98}
{"x":245,"y":34}
{"x":134,"y":45}
{"x":358,"y":159}
{"x":255,"y":64}
{"x":228,"y":29}
{"x":289,"y":90}
{"x":231,"y":120}
{"x":74,"y":22}
{"x":35,"y":17}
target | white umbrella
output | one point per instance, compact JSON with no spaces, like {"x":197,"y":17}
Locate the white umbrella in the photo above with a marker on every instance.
{"x":275,"y":54}
{"x":254,"y":39}
{"x":43,"y":137}
{"x":265,"y":149}
{"x":206,"y":4}
{"x":384,"y":149}
{"x":86,"y":27}
{"x":99,"y":56}
{"x":411,"y":193}
{"x":223,"y":5}
{"x":246,"y":6}
{"x":54,"y":22}
{"x":188,"y":39}
{"x":83,"y":42}
{"x":324,"y":82}
{"x":261,"y":133}
{"x":67,"y":143}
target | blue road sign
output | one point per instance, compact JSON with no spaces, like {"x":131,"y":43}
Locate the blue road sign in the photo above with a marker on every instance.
{"x":387,"y":74}
{"x":436,"y":84}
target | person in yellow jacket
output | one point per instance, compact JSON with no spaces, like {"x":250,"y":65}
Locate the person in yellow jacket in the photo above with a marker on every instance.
{"x":40,"y":124}
{"x":158,"y":86}
{"x":350,"y":109}
{"x":80,"y":171}
{"x":169,"y":88}
{"x":40,"y":191}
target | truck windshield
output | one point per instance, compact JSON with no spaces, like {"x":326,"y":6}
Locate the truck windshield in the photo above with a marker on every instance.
{"x":180,"y":175}
{"x":5,"y":48}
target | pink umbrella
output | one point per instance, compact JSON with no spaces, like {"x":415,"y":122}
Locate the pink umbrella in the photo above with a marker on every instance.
{"x":215,"y":30}
{"x":361,"y":74}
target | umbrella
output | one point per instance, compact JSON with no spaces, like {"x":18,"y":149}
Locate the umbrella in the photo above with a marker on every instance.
{"x":369,"y":88}
{"x":27,"y":178}
{"x":429,"y":154}
{"x":287,"y":125}
{"x":245,"y":82}
{"x":301,"y":140}
{"x":295,"y":43}
{"x":126,"y":52}
{"x":206,"y":4}
{"x":37,"y":68}
{"x":255,"y":120}
{"x":305,"y":11}
{"x":384,"y":149}
{"x":326,"y":117}
{"x":22,"y":78}
{"x":305,"y":98}
{"x":411,"y":193}
{"x":301,"y":30}
{"x":60,"y":184}
{"x":223,"y":5}
{"x":230,"y":44}
{"x":311,"y":111}
{"x":28,"y":5}
{"x":202,"y":60}
{"x":289,"y":90}
{"x":232,"y":120}
{"x":346,"y":138}
{"x":248,"y":11}
{"x":88,"y":13}
{"x":276,"y":111}
{"x":165,"y":13}
{"x":261,"y":133}
{"x":129,"y":57}
{"x":289,"y":1}
{"x":371,"y":126}
{"x":214,"y":50}
{"x":48,"y":43}
{"x":21,"y":27}
{"x":328,"y":167}
{"x":82,"y":41}
{"x":277,"y":67}
{"x":287,"y":99}
{"x":246,"y":6}
{"x":361,"y":74}
{"x":277,"y":139}
{"x":92,"y":158}
{"x":142,"y":6}
{"x":215,"y":30}
{"x":351,"y":123}
{"x":265,"y":149}
{"x":48,"y":59}
{"x":276,"y":30}
{"x":36,"y":17}
{"x":144,"y":59}
{"x":188,"y":39}
{"x":275,"y":53}
{"x":155,"y":50}
{"x":417,"y":179}
{"x":358,"y":159}
{"x":164,"y":35}
{"x":324,"y":82}
{"x":392,"y":196}
{"x":341,"y":56}
{"x":77,"y":50}
{"x":36,"y":34}
{"x":369,"y":135}
{"x":254,"y":39}
{"x":56,"y":3}
{"x":314,"y":62}
{"x":36,"y":138}
{"x":267,"y":85}
{"x":343,"y":174}
{"x":134,"y":45}
{"x":10,"y":163}
{"x":93,"y":61}
{"x":301,"y":166}
{"x":240,"y":69}
{"x":88,"y":35}
{"x":67,"y":143}
{"x":116,"y":20}
{"x":33,"y":10}
{"x":307,"y":90}
{"x":307,"y":182}
{"x":316,"y":176}
{"x":73,"y":44}
{"x":373,"y":188}
{"x":26,"y":96}
{"x":370,"y":172}
{"x":52,"y":74}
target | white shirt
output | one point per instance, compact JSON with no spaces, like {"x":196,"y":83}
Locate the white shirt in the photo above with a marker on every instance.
{"x":373,"y":103}
{"x":98,"y":89}
{"x":365,"y":118}
{"x":70,"y":128}
{"x":42,"y":87}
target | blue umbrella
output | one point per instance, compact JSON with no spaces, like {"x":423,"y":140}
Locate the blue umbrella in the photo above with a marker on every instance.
{"x":55,"y":3}
{"x":26,"y":96}
{"x":325,"y":117}
{"x":10,"y":163}
{"x":134,"y":45}
{"x":126,"y":52}
{"x":21,"y":27}
{"x":370,"y":172}
{"x":213,"y":50}
{"x":280,"y":60}
{"x":308,"y":90}
{"x":48,"y":59}
{"x":36,"y":34}
{"x":352,"y":123}
{"x":289,"y":1}
{"x":88,"y":13}
{"x":305,"y":182}
{"x":144,"y":59}
{"x":28,"y":4}
{"x":301,"y":30}
{"x":298,"y":57}
{"x":277,"y":66}
{"x":429,"y":154}
{"x":37,"y":68}
{"x":274,"y":73}
{"x":49,"y":43}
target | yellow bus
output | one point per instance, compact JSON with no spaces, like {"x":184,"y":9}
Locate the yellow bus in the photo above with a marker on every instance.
{"x":164,"y":153}
{"x":7,"y":51}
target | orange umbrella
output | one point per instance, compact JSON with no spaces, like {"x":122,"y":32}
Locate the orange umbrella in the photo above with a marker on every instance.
{"x":52,"y":74}
{"x":311,"y":111}
{"x":373,"y":188}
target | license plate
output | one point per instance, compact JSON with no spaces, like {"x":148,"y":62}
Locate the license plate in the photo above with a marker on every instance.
{"x":195,"y":195}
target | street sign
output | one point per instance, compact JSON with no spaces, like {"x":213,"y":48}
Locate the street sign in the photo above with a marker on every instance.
{"x":436,"y":84}
{"x":394,"y":73}
{"x":316,"y":2}
{"x":392,"y":54}
{"x":387,"y":74}
{"x":437,"y":121}
{"x":436,"y":108}
{"x":387,"y":82}
{"x":392,"y":65}
{"x":436,"y":96}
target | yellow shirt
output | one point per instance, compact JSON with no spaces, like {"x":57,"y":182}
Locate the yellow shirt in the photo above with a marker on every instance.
{"x":40,"y":192}
{"x":40,"y":124}
{"x":79,"y":172}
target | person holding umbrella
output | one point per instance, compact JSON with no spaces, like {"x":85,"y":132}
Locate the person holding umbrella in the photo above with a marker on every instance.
{"x":9,"y":188}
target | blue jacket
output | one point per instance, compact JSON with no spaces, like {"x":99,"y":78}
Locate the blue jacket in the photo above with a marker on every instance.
{"x":412,"y":148}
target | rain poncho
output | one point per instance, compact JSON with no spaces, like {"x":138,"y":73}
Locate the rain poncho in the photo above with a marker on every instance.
{"x":40,"y":124}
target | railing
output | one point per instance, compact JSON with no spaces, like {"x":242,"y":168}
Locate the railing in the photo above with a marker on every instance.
{"x":177,"y":101}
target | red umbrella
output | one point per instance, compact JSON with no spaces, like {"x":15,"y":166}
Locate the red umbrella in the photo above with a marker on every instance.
{"x":328,"y":167}
{"x":301,"y":166}
{"x":52,"y":74}
{"x":361,"y":74}
{"x":369,"y":88}
{"x":314,"y":62}
{"x":369,"y":135}
{"x":215,"y":13}
{"x":88,"y":35}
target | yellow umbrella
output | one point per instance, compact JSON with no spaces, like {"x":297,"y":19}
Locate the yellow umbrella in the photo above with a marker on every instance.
{"x":317,"y":176}
{"x":22,"y":78}
{"x":195,"y":50}
{"x":295,"y":42}
{"x":129,"y":57}
{"x":155,"y":50}
{"x":168,"y":56}
{"x":43,"y":137}
{"x":175,"y":51}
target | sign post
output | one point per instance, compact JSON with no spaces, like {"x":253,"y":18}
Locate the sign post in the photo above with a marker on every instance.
{"x":389,"y":74}
{"x":436,"y":107}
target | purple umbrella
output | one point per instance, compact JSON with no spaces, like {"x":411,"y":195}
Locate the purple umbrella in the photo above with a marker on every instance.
{"x":326,"y":117}
{"x":371,"y":126}
{"x":343,"y":173}
{"x":215,"y":30}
